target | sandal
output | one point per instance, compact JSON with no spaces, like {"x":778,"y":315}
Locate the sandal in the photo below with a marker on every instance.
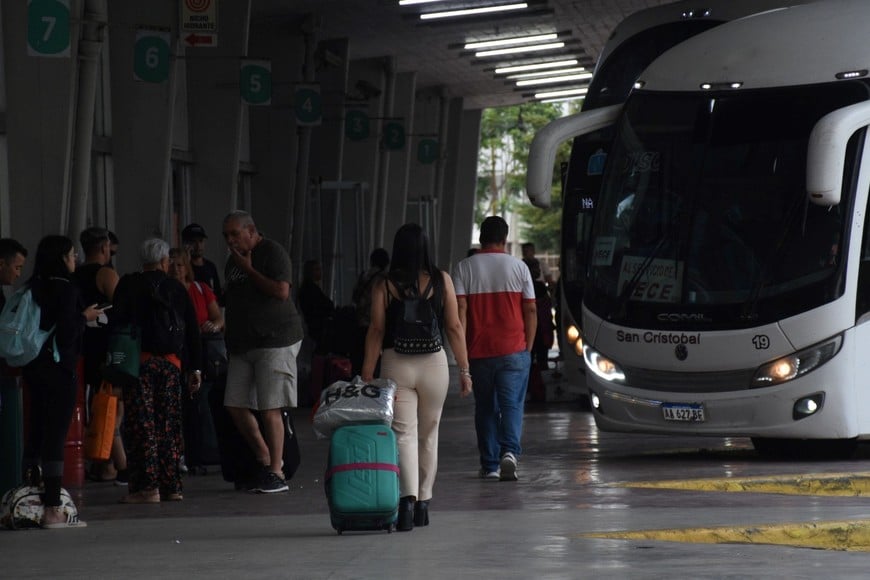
{"x":171,"y":497}
{"x":70,"y":521}
{"x":141,"y":497}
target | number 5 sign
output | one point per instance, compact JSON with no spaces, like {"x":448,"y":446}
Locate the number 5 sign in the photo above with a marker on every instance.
{"x":48,"y":28}
{"x":255,"y":82}
{"x":151,"y":56}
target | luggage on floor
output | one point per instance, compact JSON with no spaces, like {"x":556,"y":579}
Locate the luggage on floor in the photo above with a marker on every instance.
{"x":238,"y":464}
{"x":11,"y":433}
{"x":21,"y":508}
{"x":362,"y":478}
{"x":200,"y":439}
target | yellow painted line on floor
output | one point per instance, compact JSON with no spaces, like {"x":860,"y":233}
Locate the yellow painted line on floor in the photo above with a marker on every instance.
{"x":849,"y":535}
{"x":824,"y":484}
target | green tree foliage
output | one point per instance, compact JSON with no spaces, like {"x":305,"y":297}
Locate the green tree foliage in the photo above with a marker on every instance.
{"x":505,"y":137}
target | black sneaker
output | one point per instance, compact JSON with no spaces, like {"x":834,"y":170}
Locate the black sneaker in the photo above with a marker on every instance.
{"x":270,"y":482}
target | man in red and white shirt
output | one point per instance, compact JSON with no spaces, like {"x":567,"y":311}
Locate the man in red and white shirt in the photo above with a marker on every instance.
{"x":496,"y":299}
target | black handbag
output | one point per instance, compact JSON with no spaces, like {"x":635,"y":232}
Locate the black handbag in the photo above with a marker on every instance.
{"x":214,"y":356}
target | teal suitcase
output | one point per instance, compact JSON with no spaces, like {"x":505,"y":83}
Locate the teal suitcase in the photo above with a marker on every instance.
{"x":362,"y":478}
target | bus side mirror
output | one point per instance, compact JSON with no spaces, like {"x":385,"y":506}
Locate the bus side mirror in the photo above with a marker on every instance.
{"x":542,"y":153}
{"x":826,"y":152}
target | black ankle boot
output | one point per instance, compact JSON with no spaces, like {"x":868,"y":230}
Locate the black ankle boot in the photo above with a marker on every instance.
{"x":406,"y":514}
{"x":421,"y":513}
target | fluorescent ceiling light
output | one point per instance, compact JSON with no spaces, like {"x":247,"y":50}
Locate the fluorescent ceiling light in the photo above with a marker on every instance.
{"x":510,"y":41}
{"x":562,"y":93}
{"x":547,"y":73}
{"x":518,"y":49}
{"x":473,"y":11}
{"x":560,"y":99}
{"x":557,"y":79}
{"x":536,"y":66}
{"x":410,"y":2}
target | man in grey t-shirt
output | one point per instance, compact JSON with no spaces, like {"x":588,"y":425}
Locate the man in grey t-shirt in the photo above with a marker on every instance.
{"x":263,"y":336}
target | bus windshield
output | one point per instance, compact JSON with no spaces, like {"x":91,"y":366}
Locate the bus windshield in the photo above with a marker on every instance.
{"x":611,"y":84}
{"x":703,"y":214}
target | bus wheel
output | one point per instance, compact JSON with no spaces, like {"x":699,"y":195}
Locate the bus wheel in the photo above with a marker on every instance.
{"x":805,"y":449}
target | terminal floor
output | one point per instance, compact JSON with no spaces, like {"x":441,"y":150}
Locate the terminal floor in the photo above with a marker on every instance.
{"x":570,"y":485}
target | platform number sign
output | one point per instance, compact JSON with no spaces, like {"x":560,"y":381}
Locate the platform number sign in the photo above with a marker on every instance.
{"x":151,"y":56}
{"x":394,"y":136}
{"x":48,"y":28}
{"x":356,"y":125}
{"x":427,"y":151}
{"x":255,"y":82}
{"x":308,"y":105}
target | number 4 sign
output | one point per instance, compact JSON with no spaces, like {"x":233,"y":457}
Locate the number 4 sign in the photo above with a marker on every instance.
{"x":307,"y":105}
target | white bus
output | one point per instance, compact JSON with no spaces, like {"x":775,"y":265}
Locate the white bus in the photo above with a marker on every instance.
{"x":632,"y":46}
{"x":728,"y":270}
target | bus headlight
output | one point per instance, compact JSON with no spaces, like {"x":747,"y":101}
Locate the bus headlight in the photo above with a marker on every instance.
{"x":798,"y":364}
{"x":602,"y":366}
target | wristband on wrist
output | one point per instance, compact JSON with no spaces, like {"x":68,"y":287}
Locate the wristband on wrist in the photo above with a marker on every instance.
{"x":465,"y":371}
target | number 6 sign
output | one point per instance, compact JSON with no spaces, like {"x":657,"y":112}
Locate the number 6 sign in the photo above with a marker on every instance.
{"x":151,"y":56}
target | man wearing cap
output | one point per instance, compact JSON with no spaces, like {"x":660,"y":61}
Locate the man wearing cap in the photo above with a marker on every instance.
{"x":193,"y":237}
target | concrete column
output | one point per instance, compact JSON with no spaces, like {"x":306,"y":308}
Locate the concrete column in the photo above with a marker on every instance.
{"x":384,"y":168}
{"x":400,"y":161}
{"x":465,"y":182}
{"x":332,"y":64}
{"x":90,"y":47}
{"x":421,"y":180}
{"x":449,"y":191}
{"x":366,"y":90}
{"x":142,"y":121}
{"x":297,"y":209}
{"x":273,"y":131}
{"x":214,"y":111}
{"x":39,"y":121}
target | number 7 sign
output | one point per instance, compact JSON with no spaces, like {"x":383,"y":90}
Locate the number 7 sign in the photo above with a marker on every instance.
{"x":48,"y":32}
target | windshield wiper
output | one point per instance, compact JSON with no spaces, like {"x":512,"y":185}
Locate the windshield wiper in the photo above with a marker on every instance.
{"x":750,"y":307}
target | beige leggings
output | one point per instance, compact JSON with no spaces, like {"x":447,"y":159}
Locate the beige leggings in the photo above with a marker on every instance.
{"x":421,"y":381}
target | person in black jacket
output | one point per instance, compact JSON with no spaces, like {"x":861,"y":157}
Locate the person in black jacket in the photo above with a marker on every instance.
{"x":51,"y":376}
{"x":161,"y":308}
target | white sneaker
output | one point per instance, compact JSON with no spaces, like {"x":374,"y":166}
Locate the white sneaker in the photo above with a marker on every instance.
{"x":489,"y":475}
{"x":508,"y":467}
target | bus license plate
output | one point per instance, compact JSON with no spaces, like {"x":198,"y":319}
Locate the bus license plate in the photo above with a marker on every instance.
{"x":693,"y":413}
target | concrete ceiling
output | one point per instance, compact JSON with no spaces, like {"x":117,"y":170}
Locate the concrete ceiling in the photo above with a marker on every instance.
{"x":382,"y":28}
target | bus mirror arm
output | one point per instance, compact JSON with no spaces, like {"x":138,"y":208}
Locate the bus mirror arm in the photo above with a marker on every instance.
{"x":542,"y":153}
{"x":826,"y":152}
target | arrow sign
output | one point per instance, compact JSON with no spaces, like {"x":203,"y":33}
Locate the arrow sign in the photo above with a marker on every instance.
{"x":199,"y":39}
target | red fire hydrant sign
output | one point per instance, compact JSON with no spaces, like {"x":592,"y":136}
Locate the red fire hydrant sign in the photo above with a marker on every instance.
{"x":198,"y":24}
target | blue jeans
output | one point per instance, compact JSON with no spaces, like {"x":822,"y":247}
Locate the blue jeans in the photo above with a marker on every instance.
{"x":499,"y":397}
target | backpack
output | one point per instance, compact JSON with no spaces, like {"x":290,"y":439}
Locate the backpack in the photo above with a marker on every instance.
{"x":21,"y":339}
{"x":163,"y":328}
{"x":416,"y":329}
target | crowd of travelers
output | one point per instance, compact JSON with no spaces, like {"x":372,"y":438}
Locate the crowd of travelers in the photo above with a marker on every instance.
{"x":487,"y":309}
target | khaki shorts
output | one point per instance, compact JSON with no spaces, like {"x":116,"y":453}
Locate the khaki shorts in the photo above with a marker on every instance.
{"x":263,"y":378}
